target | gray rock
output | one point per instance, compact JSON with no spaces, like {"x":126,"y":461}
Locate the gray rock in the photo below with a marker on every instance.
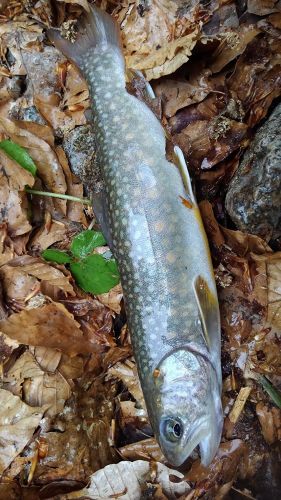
{"x":253,"y":200}
{"x":80,"y":147}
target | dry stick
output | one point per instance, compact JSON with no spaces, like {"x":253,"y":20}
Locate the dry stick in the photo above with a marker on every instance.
{"x":85,"y":201}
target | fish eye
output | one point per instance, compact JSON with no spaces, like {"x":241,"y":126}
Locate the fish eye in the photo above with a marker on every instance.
{"x":172,"y":429}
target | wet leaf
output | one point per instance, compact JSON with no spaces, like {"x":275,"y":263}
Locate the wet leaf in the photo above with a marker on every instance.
{"x":20,"y":155}
{"x":95,"y":274}
{"x":84,"y":243}
{"x":53,"y":255}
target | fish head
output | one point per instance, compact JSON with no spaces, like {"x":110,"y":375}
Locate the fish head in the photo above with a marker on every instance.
{"x":188,"y":410}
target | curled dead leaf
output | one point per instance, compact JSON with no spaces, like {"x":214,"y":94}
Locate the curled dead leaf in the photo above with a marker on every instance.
{"x":128,"y":479}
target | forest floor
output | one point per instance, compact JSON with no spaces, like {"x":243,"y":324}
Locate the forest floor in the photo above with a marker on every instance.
{"x":71,"y":403}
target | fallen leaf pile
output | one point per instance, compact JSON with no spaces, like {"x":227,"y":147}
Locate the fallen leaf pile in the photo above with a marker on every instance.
{"x":73,"y":421}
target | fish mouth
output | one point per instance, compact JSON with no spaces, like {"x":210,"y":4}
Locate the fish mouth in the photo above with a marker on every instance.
{"x":178,"y":454}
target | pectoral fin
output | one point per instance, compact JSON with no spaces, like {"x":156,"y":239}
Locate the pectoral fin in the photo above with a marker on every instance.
{"x":208,"y":310}
{"x":181,"y":163}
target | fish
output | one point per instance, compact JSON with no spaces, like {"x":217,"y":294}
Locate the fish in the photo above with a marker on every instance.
{"x":151,"y":220}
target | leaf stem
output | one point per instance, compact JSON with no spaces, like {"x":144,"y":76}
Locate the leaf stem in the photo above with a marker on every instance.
{"x":85,"y":201}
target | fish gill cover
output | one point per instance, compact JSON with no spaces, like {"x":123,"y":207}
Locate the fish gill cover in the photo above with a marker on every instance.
{"x":73,"y":421}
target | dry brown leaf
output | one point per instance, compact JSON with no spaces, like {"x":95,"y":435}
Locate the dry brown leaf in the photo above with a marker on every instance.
{"x":13,"y":200}
{"x":263,"y":7}
{"x":233,"y":44}
{"x":50,"y":325}
{"x":6,"y":247}
{"x":71,"y":368}
{"x":230,"y":458}
{"x":251,"y":338}
{"x":263,"y":57}
{"x":69,"y":453}
{"x":178,"y":94}
{"x":25,"y":276}
{"x":48,"y":359}
{"x":128,"y":479}
{"x":147,"y":449}
{"x":7,"y":346}
{"x":75,"y":211}
{"x":273,"y":265}
{"x":18,"y":286}
{"x":49,"y":168}
{"x":208,"y":142}
{"x":75,"y":95}
{"x":83,"y":3}
{"x":19,"y":36}
{"x":112,"y":299}
{"x":127,"y":372}
{"x":18,"y":421}
{"x":270,"y":421}
{"x":95,"y":319}
{"x":26,"y":379}
{"x":156,"y":42}
{"x":167,"y":59}
{"x":48,"y":234}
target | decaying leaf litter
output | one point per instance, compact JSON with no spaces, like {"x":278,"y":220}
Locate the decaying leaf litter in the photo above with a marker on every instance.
{"x":71,"y":403}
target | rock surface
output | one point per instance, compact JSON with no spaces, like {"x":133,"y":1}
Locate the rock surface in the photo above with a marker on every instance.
{"x":253,"y":200}
{"x":80,"y":147}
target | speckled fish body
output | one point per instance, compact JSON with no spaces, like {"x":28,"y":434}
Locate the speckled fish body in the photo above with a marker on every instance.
{"x":162,"y":255}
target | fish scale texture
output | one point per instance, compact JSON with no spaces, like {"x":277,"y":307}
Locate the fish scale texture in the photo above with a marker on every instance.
{"x":155,"y":237}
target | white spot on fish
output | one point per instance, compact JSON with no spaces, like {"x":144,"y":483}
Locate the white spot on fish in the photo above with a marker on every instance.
{"x":171,"y":257}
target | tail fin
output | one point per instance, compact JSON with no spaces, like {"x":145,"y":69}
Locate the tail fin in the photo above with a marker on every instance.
{"x":96,"y":31}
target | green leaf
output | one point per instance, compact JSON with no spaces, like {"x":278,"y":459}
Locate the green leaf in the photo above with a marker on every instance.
{"x":57,"y":256}
{"x":19,"y":154}
{"x":95,"y":274}
{"x":84,"y":243}
{"x":271,"y":391}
